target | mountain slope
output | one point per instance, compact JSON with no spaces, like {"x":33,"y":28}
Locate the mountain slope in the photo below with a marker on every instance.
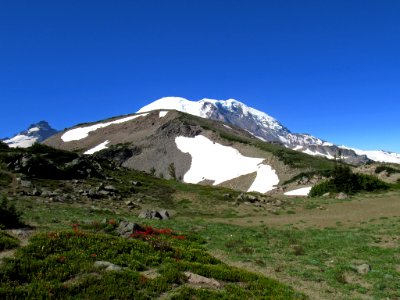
{"x":177,"y":145}
{"x":35,"y":133}
{"x":258,"y":123}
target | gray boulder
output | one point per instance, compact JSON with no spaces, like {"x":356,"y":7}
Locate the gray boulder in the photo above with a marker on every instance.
{"x":154,"y":214}
{"x":107,"y":266}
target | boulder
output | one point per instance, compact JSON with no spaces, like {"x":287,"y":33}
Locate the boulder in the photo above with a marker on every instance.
{"x":201,"y":280}
{"x":110,"y":188}
{"x":342,"y":196}
{"x":363,"y":269}
{"x":107,"y":266}
{"x":154,"y":214}
{"x":125,"y":228}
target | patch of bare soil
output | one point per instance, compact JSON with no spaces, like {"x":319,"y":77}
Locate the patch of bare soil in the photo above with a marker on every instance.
{"x":348,"y":213}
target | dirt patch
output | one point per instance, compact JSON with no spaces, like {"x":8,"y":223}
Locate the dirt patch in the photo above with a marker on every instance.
{"x":348,"y":213}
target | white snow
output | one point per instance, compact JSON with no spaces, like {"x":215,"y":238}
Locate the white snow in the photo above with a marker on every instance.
{"x":203,"y":107}
{"x":99,"y":147}
{"x":260,"y":138}
{"x":265,"y":181}
{"x":162,"y":114}
{"x":309,"y":152}
{"x":378,"y":155}
{"x":79,"y":133}
{"x":33,"y":129}
{"x":227,"y":126}
{"x":299,"y":192}
{"x":21,"y":141}
{"x":213,"y":161}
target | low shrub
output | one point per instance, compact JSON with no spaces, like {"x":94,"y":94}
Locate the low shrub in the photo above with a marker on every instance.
{"x":389,"y":170}
{"x":7,"y":241}
{"x":9,"y":216}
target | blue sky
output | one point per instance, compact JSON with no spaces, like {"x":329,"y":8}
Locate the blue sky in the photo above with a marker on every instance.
{"x":328,"y":68}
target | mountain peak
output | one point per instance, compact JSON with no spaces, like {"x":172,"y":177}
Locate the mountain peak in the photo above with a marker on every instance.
{"x":35,"y":133}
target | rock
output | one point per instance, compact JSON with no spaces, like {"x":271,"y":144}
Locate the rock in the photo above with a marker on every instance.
{"x":104,"y":193}
{"x":107,"y":266}
{"x":125,"y":228}
{"x":26,"y":183}
{"x":35,"y":192}
{"x":131,"y":204}
{"x":136,"y":183}
{"x":342,"y":196}
{"x":154,"y":214}
{"x":326,"y":195}
{"x":363,"y":269}
{"x":110,"y":188}
{"x":251,"y":198}
{"x":164,"y":214}
{"x":201,"y":280}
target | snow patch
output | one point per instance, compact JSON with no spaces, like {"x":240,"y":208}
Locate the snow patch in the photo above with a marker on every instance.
{"x":79,"y":133}
{"x":162,"y":114}
{"x":99,"y":147}
{"x":227,"y":126}
{"x":378,"y":155}
{"x":309,"y":152}
{"x":34,"y":129}
{"x":21,"y":141}
{"x":219,"y":163}
{"x":299,"y":192}
{"x":265,"y":181}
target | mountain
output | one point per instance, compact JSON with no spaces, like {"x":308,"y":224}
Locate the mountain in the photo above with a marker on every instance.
{"x":34,"y":134}
{"x":266,"y":128}
{"x":173,"y":144}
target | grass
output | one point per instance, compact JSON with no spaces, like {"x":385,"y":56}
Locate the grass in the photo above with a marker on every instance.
{"x":61,"y":265}
{"x":59,"y":262}
{"x":324,"y":256}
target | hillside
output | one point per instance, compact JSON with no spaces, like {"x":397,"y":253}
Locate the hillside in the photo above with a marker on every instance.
{"x":173,"y":144}
{"x":315,"y":245}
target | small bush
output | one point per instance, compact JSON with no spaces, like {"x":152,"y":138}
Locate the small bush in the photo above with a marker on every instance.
{"x":388,"y":169}
{"x":9,"y":216}
{"x":7,"y":241}
{"x":345,"y":181}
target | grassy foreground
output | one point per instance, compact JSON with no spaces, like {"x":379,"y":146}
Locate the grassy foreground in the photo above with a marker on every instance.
{"x":62,"y":265}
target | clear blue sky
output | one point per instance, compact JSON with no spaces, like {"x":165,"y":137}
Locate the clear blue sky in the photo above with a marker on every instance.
{"x":330,"y":68}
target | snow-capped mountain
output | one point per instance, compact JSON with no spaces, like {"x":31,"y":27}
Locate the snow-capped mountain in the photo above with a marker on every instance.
{"x":266,"y":128}
{"x":34,"y":134}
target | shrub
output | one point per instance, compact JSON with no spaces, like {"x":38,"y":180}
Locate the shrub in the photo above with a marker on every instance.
{"x":388,"y":169}
{"x":3,"y":145}
{"x":344,"y":180}
{"x":7,"y":241}
{"x":9,"y":216}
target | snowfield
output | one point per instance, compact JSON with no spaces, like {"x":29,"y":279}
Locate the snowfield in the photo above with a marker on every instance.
{"x":309,"y":152}
{"x":21,"y":141}
{"x":97,"y":148}
{"x":378,"y":155}
{"x":79,"y":133}
{"x":299,"y":192}
{"x":213,"y":161}
{"x":162,"y":114}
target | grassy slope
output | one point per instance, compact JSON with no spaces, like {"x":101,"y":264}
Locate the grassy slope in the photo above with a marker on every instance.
{"x":60,"y":264}
{"x":318,"y":261}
